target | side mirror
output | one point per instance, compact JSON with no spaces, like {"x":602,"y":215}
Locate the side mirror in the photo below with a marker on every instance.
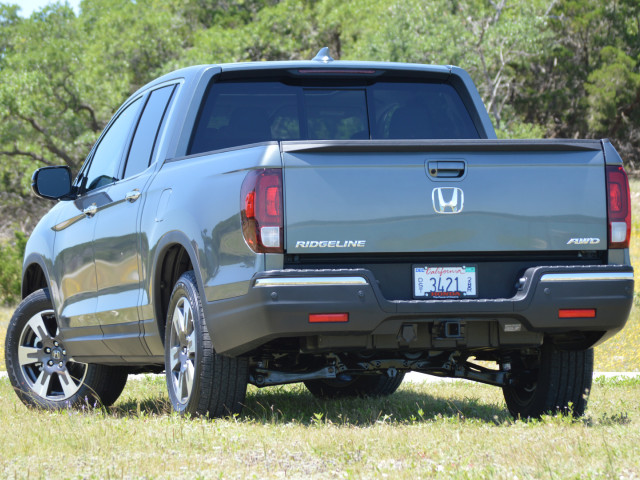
{"x":53,"y":183}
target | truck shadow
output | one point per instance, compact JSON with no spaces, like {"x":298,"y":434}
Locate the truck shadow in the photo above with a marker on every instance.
{"x":277,"y":405}
{"x":403,"y":407}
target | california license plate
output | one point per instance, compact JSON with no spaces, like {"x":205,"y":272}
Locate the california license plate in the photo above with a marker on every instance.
{"x":444,"y":282}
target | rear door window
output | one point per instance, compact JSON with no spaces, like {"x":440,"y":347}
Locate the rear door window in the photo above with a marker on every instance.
{"x":139,"y":157}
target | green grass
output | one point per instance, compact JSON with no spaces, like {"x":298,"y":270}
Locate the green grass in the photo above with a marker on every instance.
{"x":458,"y":430}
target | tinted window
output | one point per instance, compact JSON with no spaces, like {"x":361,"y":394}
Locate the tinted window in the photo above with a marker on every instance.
{"x":336,"y":114}
{"x":419,"y":111}
{"x":240,"y":113}
{"x":146,"y":133}
{"x":106,"y":159}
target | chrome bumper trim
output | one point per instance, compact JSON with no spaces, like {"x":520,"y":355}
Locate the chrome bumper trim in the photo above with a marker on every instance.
{"x":586,"y":277}
{"x":302,"y":281}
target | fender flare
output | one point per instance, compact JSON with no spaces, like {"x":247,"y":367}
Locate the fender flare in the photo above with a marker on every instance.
{"x":168,"y":240}
{"x":29,"y":261}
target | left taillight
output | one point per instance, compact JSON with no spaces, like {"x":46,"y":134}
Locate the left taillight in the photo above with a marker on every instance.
{"x":261,"y":206}
{"x":618,"y":207}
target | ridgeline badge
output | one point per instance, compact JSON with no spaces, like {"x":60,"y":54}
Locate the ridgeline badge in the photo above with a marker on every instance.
{"x":331,"y":244}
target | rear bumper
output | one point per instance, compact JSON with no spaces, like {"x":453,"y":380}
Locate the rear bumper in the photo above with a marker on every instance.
{"x":278,"y":305}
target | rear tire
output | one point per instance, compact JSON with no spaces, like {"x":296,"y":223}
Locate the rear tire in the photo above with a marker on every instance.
{"x":42,"y":373}
{"x":364,"y":385}
{"x":199,"y":381}
{"x":561,"y":383}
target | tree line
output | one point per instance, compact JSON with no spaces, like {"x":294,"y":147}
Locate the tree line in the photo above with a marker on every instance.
{"x":544,"y":68}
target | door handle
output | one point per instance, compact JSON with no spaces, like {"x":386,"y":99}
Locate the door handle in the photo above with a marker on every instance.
{"x":133,"y":195}
{"x":446,"y":169}
{"x":91,"y":210}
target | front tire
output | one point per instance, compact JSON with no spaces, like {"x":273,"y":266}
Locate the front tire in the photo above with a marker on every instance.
{"x":364,"y":385}
{"x":199,"y":381}
{"x":41,"y":371}
{"x":560,"y":382}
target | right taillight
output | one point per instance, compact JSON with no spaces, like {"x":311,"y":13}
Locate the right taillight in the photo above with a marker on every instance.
{"x":618,"y":207}
{"x":261,"y":205}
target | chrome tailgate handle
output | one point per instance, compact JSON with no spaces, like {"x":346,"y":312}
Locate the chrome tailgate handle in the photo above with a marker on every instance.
{"x":133,"y":195}
{"x":446,"y":169}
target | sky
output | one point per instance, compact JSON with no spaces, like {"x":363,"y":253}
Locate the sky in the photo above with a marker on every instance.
{"x":27,"y":7}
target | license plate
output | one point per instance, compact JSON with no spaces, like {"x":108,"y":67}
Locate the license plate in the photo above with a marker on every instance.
{"x":444,"y":282}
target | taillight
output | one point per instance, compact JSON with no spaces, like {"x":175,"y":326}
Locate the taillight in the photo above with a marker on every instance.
{"x":618,"y":207}
{"x":261,"y":205}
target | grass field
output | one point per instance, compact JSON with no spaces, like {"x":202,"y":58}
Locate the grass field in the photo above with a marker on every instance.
{"x":444,"y":430}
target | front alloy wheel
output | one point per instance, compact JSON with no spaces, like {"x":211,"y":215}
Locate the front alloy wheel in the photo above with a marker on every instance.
{"x":43,"y":360}
{"x":42,"y":372}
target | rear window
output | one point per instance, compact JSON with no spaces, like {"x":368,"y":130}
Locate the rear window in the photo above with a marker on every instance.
{"x":239,"y":113}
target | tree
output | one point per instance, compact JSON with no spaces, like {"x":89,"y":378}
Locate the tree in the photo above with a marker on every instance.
{"x":62,"y":77}
{"x":584,"y":82}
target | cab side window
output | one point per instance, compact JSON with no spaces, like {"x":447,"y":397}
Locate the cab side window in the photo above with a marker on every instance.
{"x":141,"y":150}
{"x":106,"y":159}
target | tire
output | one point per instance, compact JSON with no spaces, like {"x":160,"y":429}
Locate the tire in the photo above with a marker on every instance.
{"x":42,"y":373}
{"x":199,"y":381}
{"x":364,"y":385}
{"x":561,"y":384}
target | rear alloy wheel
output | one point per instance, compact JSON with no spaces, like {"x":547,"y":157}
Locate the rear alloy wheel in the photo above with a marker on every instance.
{"x":559,"y":382}
{"x":363,"y":385}
{"x":199,"y":381}
{"x":41,"y":370}
{"x":182,"y":351}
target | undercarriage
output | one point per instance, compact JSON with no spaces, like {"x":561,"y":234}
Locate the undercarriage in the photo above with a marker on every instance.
{"x":277,"y":370}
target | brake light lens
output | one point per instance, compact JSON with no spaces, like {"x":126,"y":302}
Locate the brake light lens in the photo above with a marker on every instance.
{"x":261,"y":210}
{"x":618,"y":207}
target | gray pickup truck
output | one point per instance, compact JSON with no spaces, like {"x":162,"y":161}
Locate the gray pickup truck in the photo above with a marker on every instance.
{"x":328,"y":222}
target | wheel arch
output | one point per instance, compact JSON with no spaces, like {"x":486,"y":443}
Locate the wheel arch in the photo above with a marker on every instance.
{"x":175,"y":255}
{"x":34,"y":275}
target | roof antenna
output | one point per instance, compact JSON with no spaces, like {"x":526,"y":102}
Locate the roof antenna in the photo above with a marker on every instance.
{"x":323,"y":56}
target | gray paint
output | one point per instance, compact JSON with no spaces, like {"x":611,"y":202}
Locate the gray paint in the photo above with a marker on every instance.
{"x":103,"y":271}
{"x":513,"y":201}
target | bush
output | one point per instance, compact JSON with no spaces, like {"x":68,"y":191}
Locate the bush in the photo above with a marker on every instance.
{"x":11,"y":254}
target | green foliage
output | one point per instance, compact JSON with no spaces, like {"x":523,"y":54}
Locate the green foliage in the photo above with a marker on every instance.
{"x":584,"y":81}
{"x":613,"y":88}
{"x":521,"y":130}
{"x":558,"y":68}
{"x":11,"y":253}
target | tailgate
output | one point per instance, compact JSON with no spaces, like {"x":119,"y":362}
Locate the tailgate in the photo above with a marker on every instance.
{"x":444,"y":196}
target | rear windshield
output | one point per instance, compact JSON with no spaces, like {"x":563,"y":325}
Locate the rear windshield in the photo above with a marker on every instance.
{"x":239,"y":113}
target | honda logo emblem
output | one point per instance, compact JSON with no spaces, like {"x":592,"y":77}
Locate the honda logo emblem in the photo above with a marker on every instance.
{"x":447,"y":200}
